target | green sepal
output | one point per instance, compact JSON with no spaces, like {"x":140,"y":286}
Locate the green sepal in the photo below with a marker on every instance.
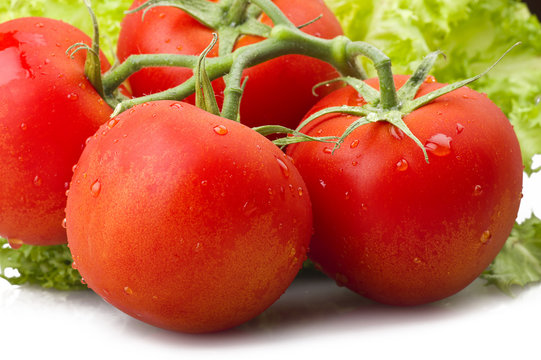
{"x":204,"y":93}
{"x":423,"y":100}
{"x":297,"y":137}
{"x":368,"y":93}
{"x":93,"y":63}
{"x":205,"y":12}
{"x":408,"y":91}
{"x":348,"y":110}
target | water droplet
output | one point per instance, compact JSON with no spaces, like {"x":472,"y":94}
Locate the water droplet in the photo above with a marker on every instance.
{"x":83,"y":281}
{"x":73,"y":97}
{"x":64,"y":223}
{"x":111,"y":123}
{"x":347,"y":195}
{"x":128,"y":291}
{"x":179,"y":47}
{"x":39,"y":25}
{"x":430,"y":79}
{"x":322,"y":183}
{"x":327,"y":150}
{"x":67,"y":192}
{"x":283,"y":167}
{"x":364,"y":207}
{"x":23,"y":126}
{"x":15,"y":243}
{"x":74,"y":265}
{"x":402,"y":165}
{"x":459,"y":128}
{"x":300,"y":191}
{"x":204,"y":182}
{"x":477,"y":190}
{"x":354,"y":144}
{"x":486,"y":236}
{"x":269,"y":190}
{"x":248,"y":208}
{"x":417,"y":260}
{"x":439,"y":145}
{"x":396,"y":132}
{"x":220,"y":130}
{"x":354,"y":163}
{"x":95,"y":188}
{"x":37,"y":181}
{"x":161,"y":15}
{"x":82,"y":85}
{"x":177,"y":106}
{"x":319,"y":131}
{"x":74,"y":167}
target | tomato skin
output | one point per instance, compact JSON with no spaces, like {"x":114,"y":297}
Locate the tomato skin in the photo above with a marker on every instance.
{"x":186,"y":220}
{"x":287,"y":80}
{"x":400,"y":231}
{"x":47,"y":110}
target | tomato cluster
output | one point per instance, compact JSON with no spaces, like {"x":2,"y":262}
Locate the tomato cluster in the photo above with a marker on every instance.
{"x":192,"y":222}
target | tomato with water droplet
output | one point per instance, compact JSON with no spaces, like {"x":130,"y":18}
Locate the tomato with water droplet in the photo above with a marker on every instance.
{"x":265,"y":86}
{"x":44,"y":121}
{"x":200,"y":225}
{"x":436,"y":212}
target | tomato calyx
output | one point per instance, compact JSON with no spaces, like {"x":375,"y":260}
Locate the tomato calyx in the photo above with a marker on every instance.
{"x":392,"y":108}
{"x":229,"y":18}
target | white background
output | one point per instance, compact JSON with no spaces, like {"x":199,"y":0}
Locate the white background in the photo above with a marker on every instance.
{"x":314,"y":319}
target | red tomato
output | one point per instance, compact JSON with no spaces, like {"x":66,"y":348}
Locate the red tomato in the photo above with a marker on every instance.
{"x":186,"y":220}
{"x":47,"y":110}
{"x":399,"y":230}
{"x":287,"y":80}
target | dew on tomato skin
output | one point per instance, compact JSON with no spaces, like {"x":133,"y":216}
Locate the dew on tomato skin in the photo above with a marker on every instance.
{"x":40,"y":25}
{"x":485,"y":236}
{"x":417,"y":260}
{"x":221,"y":130}
{"x":73,"y":97}
{"x":430,"y":79}
{"x":64,"y":223}
{"x":177,"y":106}
{"x":95,"y":188}
{"x":204,"y":182}
{"x":354,"y":144}
{"x":300,"y":191}
{"x":402,"y":165}
{"x":15,"y":243}
{"x":269,"y":190}
{"x":128,"y":290}
{"x":327,"y":150}
{"x":354,"y":163}
{"x":396,"y":132}
{"x":74,"y":167}
{"x":37,"y":181}
{"x":111,"y":123}
{"x":439,"y":145}
{"x":322,"y":183}
{"x":179,"y":47}
{"x":459,"y":128}
{"x":477,"y":190}
{"x":82,"y":85}
{"x":23,"y":126}
{"x":283,"y":167}
{"x":347,"y":195}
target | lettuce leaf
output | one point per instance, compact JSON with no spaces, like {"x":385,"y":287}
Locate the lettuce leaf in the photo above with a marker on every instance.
{"x":519,"y":262}
{"x":472,"y":34}
{"x":47,"y":266}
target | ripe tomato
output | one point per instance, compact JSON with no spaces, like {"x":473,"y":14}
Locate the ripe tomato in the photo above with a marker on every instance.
{"x":399,"y":230}
{"x":170,"y":30}
{"x":186,"y":220}
{"x":47,"y":110}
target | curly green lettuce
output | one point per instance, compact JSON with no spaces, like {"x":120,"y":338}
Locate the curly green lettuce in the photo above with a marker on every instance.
{"x":472,"y":34}
{"x":519,"y":261}
{"x":46,"y":266}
